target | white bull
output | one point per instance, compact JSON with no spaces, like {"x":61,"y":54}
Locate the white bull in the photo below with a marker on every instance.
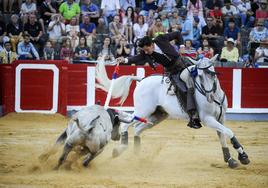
{"x":90,"y":128}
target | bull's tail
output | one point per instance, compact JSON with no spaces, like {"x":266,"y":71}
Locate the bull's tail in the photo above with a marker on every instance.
{"x":61,"y":138}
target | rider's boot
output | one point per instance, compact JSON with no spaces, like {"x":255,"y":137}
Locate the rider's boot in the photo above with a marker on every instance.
{"x":191,"y":108}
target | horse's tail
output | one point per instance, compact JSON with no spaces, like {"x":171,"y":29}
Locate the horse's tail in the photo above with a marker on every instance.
{"x":121,"y":84}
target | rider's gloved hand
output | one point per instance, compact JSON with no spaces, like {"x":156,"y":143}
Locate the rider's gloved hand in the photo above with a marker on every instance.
{"x":120,"y":60}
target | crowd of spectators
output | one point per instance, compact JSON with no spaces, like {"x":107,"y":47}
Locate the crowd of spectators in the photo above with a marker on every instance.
{"x":90,"y":30}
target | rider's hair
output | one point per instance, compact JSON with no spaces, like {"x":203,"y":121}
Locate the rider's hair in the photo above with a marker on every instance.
{"x":145,"y":41}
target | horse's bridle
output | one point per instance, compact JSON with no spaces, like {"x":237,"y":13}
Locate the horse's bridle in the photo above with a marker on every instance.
{"x":203,"y":91}
{"x":201,"y":87}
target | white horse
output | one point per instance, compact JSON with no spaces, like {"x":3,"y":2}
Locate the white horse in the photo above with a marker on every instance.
{"x":152,"y":102}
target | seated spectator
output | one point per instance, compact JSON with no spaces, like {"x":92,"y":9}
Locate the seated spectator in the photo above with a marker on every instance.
{"x":147,"y":6}
{"x":128,"y":21}
{"x":165,"y":21}
{"x":47,"y":10}
{"x":26,"y":49}
{"x":206,"y":50}
{"x":110,"y":8}
{"x":105,"y":52}
{"x":117,"y":30}
{"x":187,"y":27}
{"x":259,"y":33}
{"x":216,"y":13}
{"x":232,"y":31}
{"x":245,"y":13}
{"x":123,"y":49}
{"x":82,"y":51}
{"x":229,"y":11}
{"x":88,"y":29}
{"x":202,"y":23}
{"x":27,"y":8}
{"x":230,"y":52}
{"x":175,"y":19}
{"x":7,"y":56}
{"x":3,"y":32}
{"x":69,"y":9}
{"x":212,"y":33}
{"x":140,"y":28}
{"x":92,"y":10}
{"x":196,"y":33}
{"x":49,"y":51}
{"x":262,"y":12}
{"x":261,"y":53}
{"x":56,"y":28}
{"x":73,"y":31}
{"x":166,"y":6}
{"x":157,"y":28}
{"x":102,"y":31}
{"x":66,"y":52}
{"x":189,"y":51}
{"x":125,"y":4}
{"x":195,"y":5}
{"x":211,"y":4}
{"x":150,"y":19}
{"x":14,"y":31}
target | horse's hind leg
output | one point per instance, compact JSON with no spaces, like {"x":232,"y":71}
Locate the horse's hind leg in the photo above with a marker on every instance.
{"x":232,"y":163}
{"x":90,"y":157}
{"x":158,"y":116}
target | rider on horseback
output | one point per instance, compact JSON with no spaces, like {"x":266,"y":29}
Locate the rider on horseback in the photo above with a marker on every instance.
{"x":161,"y":51}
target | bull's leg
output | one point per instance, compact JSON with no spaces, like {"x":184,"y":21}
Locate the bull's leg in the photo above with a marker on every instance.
{"x":90,"y":157}
{"x":232,"y":163}
{"x":67,"y":149}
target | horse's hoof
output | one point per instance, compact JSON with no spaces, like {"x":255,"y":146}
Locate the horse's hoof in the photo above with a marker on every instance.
{"x":243,"y":158}
{"x":115,"y":153}
{"x":119,"y":150}
{"x":232,"y":163}
{"x":56,"y":168}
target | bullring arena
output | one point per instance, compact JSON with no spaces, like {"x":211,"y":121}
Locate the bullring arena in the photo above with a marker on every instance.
{"x":172,"y":155}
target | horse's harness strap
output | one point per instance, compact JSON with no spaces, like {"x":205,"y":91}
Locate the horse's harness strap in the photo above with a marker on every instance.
{"x":220,"y":104}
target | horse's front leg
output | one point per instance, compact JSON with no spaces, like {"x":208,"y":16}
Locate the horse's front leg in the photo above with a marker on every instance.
{"x":212,"y":123}
{"x":232,"y":163}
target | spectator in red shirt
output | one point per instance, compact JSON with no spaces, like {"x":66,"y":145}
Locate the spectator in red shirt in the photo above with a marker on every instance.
{"x":262,"y":12}
{"x":66,"y":52}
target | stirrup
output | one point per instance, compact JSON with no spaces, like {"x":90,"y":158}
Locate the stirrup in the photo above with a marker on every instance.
{"x":194,"y":123}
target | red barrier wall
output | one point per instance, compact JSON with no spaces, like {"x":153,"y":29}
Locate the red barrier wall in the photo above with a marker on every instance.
{"x":254,"y":88}
{"x":37,"y":85}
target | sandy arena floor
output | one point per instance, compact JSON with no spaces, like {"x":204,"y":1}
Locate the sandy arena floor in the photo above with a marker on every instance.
{"x":172,"y":156}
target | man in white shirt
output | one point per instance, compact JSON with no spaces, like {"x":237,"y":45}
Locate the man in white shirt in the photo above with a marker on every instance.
{"x":56,"y":29}
{"x":229,"y":11}
{"x":109,"y":9}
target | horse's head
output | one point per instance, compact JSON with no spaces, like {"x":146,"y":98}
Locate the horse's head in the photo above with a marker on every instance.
{"x":207,"y":76}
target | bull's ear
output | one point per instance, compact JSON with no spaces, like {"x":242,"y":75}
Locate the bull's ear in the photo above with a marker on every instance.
{"x":213,"y":59}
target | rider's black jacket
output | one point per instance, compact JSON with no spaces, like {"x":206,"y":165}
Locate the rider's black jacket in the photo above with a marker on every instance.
{"x":170,"y":58}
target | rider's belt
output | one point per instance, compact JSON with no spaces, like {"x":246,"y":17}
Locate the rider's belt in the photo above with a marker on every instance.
{"x":175,"y":68}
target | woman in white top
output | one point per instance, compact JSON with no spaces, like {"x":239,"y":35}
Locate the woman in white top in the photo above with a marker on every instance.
{"x":27,"y":8}
{"x":127,"y":22}
{"x":73,"y":31}
{"x":140,"y":28}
